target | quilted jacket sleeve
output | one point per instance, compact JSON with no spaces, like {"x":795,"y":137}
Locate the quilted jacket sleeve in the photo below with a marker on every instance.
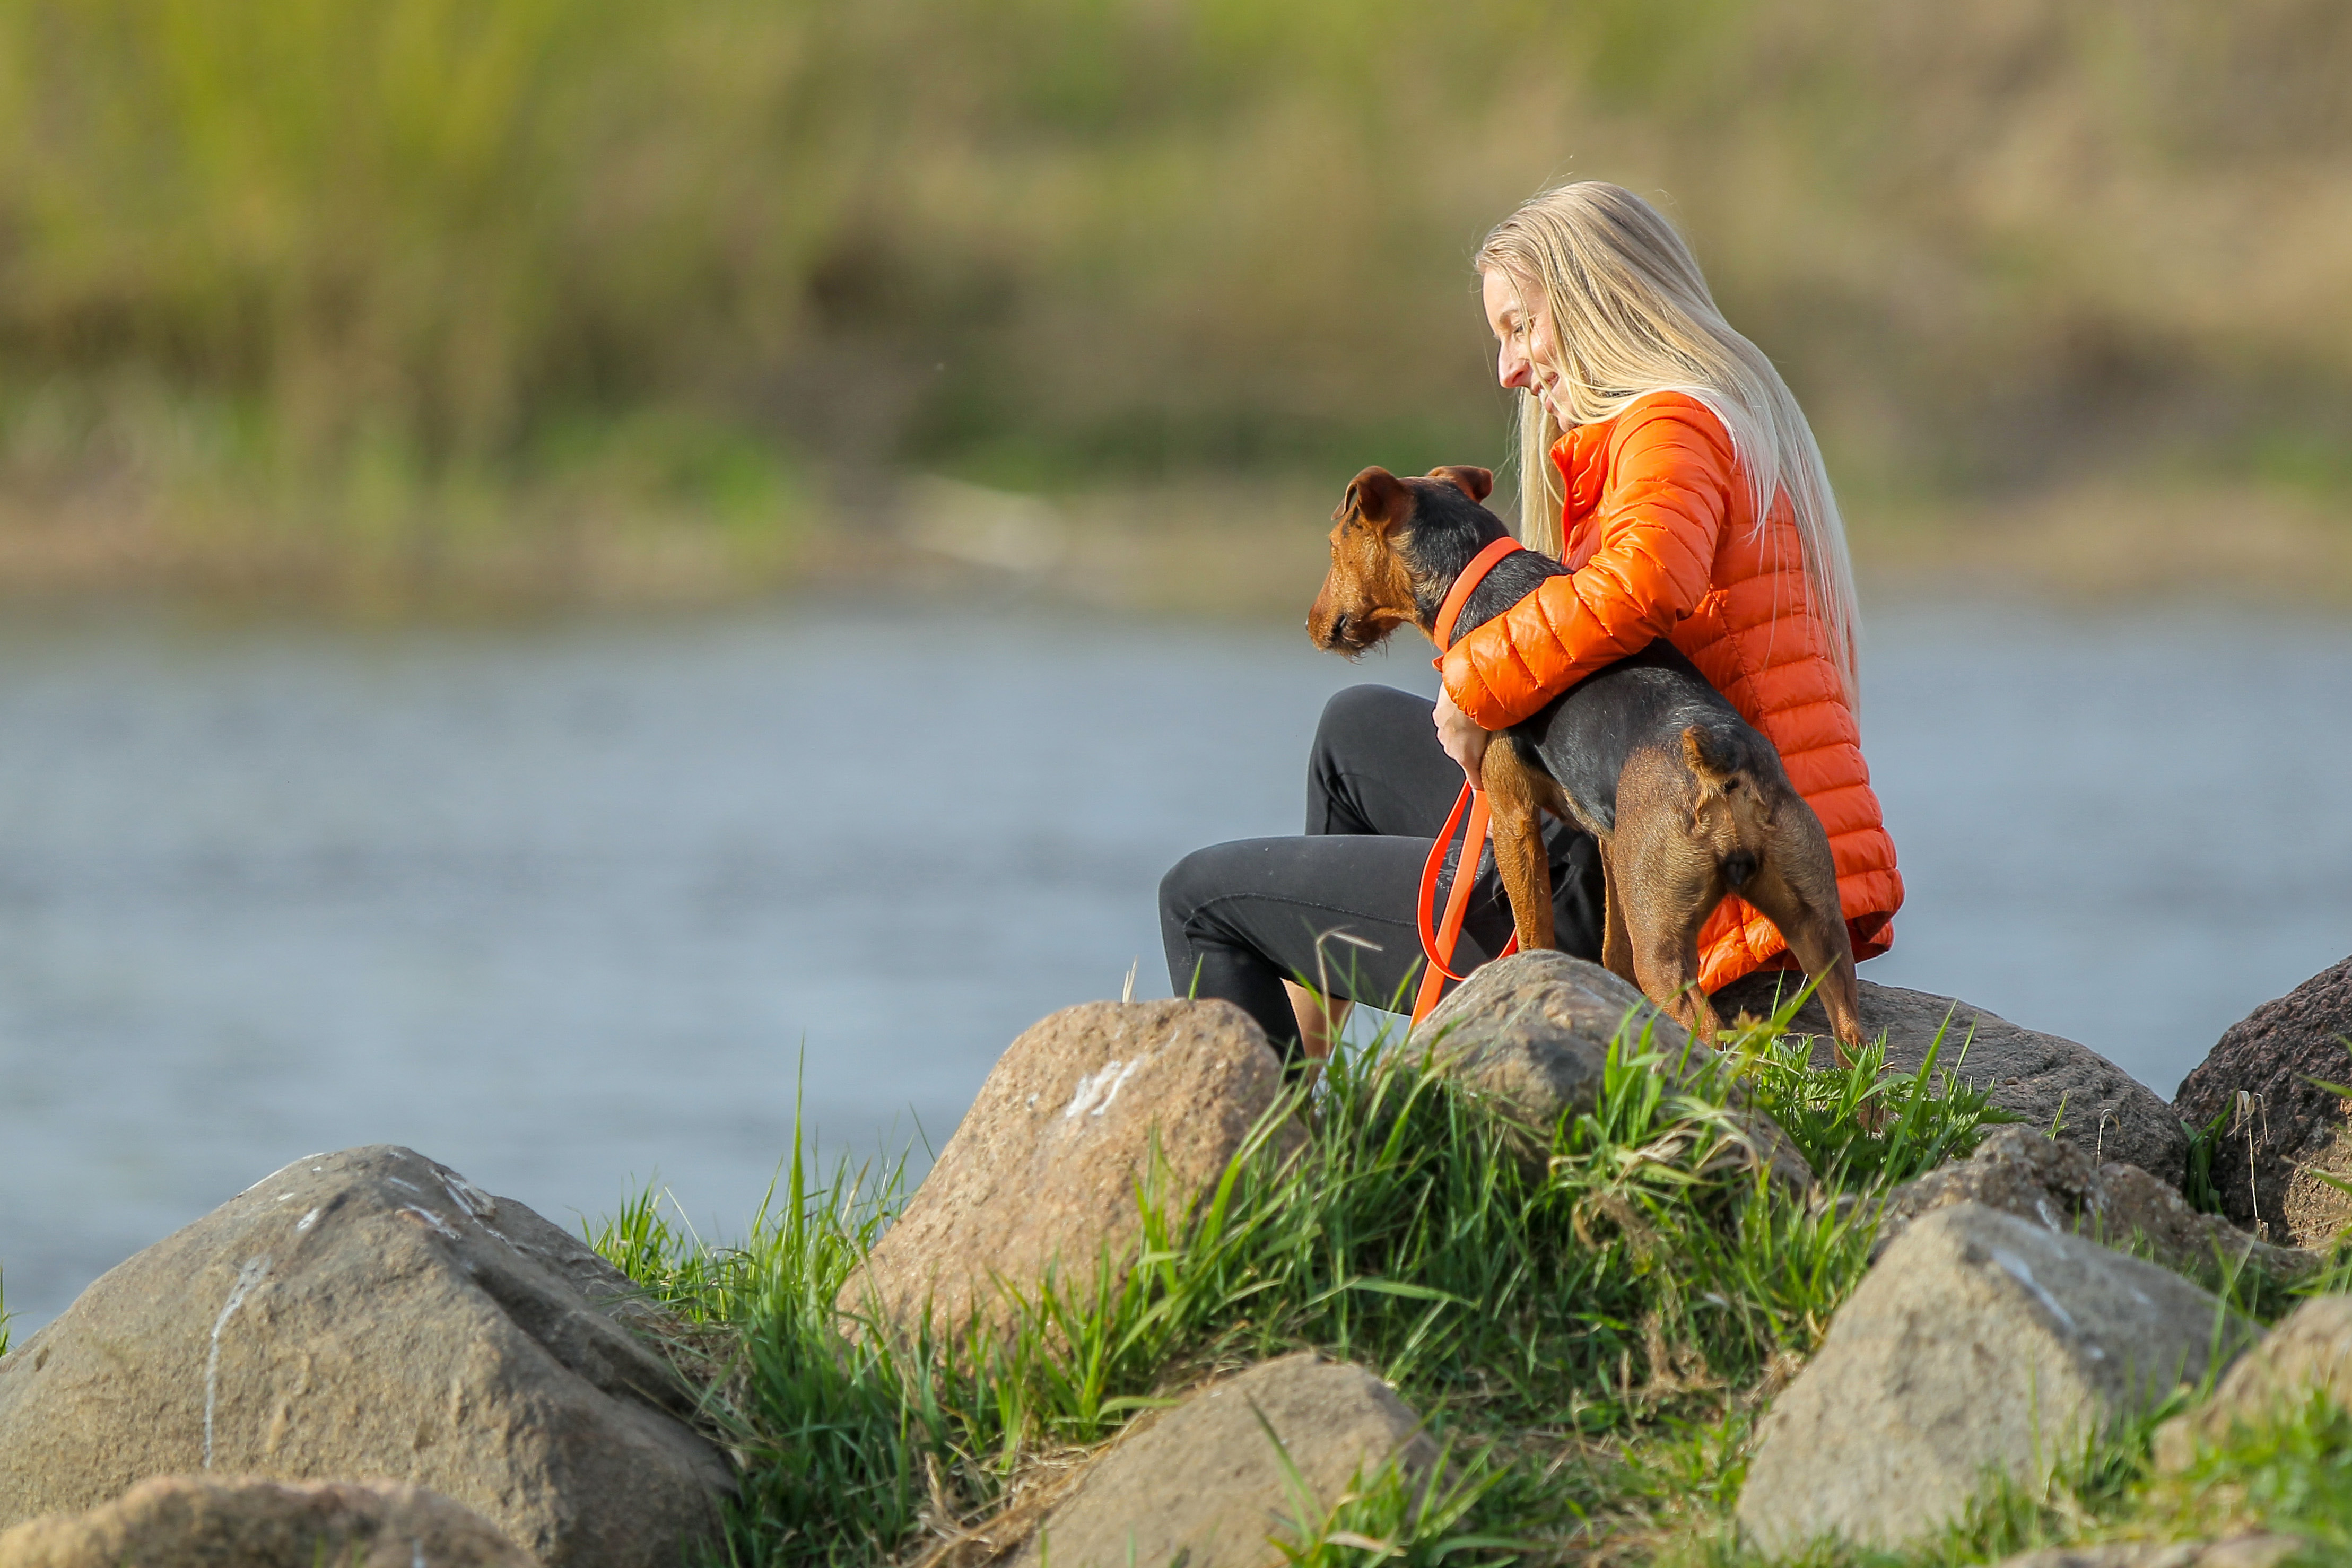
{"x":1662,"y":511}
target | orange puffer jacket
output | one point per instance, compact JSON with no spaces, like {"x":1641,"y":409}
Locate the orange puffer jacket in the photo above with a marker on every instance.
{"x":1662,"y":541}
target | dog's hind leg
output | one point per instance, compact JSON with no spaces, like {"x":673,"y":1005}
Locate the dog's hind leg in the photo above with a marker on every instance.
{"x":1667,"y":882}
{"x":1513,"y":793}
{"x":1664,"y":933}
{"x":1795,"y":886}
{"x":1616,"y":942}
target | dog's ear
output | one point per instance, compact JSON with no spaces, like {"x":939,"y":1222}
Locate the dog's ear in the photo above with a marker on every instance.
{"x":1376,"y":496}
{"x":1475,"y":483}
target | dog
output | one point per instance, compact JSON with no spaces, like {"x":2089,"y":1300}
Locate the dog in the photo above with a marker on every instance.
{"x":1688,"y":801}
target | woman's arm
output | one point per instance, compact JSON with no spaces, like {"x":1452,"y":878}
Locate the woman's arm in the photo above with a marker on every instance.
{"x":1670,"y":491}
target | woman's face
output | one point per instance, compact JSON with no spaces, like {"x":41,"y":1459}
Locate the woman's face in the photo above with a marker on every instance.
{"x":1529,"y":353}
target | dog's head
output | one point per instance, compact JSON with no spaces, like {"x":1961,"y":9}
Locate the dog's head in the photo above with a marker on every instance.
{"x":1383,"y":575}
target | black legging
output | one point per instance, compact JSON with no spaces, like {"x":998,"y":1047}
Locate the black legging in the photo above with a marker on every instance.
{"x":1239,"y":919}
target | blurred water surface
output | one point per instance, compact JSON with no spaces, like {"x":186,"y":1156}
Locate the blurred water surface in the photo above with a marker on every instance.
{"x":564,"y":907}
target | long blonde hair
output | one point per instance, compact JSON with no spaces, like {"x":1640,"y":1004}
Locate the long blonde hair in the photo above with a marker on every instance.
{"x":1631,"y":315}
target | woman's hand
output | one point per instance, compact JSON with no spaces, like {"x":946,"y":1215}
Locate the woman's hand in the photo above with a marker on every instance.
{"x":1461,"y":737}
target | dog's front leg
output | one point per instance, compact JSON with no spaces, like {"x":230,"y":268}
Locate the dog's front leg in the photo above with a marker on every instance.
{"x":1513,"y":799}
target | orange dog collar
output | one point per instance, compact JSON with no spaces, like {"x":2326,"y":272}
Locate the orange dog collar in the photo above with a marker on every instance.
{"x":1450,"y":611}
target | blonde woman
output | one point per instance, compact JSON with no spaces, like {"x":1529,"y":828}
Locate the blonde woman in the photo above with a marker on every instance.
{"x":1665,"y":463}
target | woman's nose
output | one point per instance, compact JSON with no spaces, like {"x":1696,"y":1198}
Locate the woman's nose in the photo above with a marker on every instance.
{"x":1512,"y":369}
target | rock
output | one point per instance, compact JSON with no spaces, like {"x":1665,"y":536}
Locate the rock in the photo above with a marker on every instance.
{"x":2018,"y":1170}
{"x":1043,"y":1171}
{"x":1532,"y":1032}
{"x":2278,"y":1127}
{"x":2238,"y":1551}
{"x":370,"y":1315}
{"x":1979,"y":1342}
{"x":1202,"y":1484}
{"x":2108,"y":1114}
{"x":2310,"y":1349}
{"x":202,"y":1521}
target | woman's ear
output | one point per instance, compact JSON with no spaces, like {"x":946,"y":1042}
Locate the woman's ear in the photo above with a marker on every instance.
{"x":1475,"y":483}
{"x":1376,"y":496}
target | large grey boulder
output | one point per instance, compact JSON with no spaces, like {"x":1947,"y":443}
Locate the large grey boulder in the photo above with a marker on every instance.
{"x":1084,"y":1112}
{"x":1531,"y":1033}
{"x":2279,"y":1128}
{"x":370,"y":1316}
{"x":198,"y":1522}
{"x":2019,"y":1170}
{"x":2308,"y":1353}
{"x":2106,"y":1112}
{"x":1204,"y":1484}
{"x":1980,"y":1342}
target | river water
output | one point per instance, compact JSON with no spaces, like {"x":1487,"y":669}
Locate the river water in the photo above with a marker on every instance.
{"x":579,"y":906}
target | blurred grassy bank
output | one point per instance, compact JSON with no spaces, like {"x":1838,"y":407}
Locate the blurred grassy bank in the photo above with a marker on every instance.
{"x":529,"y":298}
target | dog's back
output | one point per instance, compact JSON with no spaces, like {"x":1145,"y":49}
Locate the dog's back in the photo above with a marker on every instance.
{"x":1655,"y":702}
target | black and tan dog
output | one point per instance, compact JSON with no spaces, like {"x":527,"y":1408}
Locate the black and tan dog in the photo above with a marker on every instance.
{"x":1688,"y":801}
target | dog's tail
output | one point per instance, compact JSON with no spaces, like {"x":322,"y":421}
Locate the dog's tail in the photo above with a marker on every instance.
{"x":1718,"y":762}
{"x":1725,"y":775}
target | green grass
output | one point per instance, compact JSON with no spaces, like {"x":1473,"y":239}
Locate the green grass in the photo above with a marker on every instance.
{"x":2291,"y":1472}
{"x":649,"y":504}
{"x":1039,"y":243}
{"x":1392,"y":1516}
{"x":1624,"y":1275}
{"x":2197,"y":1186}
{"x":2288,"y":1472}
{"x":1590,"y":1317}
{"x":1916,"y":1121}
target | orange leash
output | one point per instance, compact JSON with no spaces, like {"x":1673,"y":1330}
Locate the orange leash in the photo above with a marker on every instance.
{"x":1437,"y":944}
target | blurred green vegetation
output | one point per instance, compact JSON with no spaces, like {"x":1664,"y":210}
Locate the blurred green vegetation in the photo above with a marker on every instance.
{"x":335,"y":270}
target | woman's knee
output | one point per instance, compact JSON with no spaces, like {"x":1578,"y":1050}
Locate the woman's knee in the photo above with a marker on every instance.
{"x":1179,"y":892}
{"x":1366,"y":752}
{"x":1356,"y":712}
{"x":1360,"y":727}
{"x":1196,"y":882}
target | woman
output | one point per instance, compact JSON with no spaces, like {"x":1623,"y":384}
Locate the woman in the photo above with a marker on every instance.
{"x":1665,"y":461}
